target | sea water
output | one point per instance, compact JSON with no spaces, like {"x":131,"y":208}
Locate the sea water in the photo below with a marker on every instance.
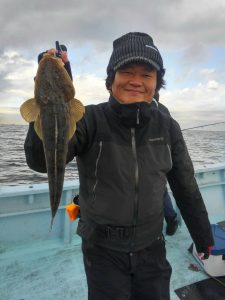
{"x":205,"y":147}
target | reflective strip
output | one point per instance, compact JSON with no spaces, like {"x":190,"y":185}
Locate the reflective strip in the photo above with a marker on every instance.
{"x":156,"y":102}
{"x":134,"y":150}
{"x":138,"y":113}
{"x":171,"y":162}
{"x":96,"y":166}
{"x":156,"y":139}
{"x":148,"y":46}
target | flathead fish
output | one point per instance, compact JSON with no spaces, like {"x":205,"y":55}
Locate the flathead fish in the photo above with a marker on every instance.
{"x":54,"y":111}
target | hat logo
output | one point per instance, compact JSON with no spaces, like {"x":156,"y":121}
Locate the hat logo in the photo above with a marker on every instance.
{"x":151,"y":47}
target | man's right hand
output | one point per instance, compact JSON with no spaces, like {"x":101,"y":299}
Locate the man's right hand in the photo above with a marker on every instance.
{"x":63,"y":54}
{"x":52,"y":51}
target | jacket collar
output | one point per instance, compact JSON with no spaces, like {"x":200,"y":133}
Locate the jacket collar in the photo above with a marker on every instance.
{"x":131,"y":115}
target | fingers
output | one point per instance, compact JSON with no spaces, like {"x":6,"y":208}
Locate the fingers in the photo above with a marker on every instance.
{"x":203,"y":255}
{"x":63,"y":54}
{"x":52,"y":51}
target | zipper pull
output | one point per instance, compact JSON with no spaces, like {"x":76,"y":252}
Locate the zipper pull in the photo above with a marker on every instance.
{"x":138,"y":112}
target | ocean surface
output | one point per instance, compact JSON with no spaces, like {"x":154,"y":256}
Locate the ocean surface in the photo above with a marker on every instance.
{"x":205,"y":147}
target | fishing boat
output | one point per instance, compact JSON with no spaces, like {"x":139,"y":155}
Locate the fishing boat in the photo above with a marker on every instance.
{"x":39,"y":264}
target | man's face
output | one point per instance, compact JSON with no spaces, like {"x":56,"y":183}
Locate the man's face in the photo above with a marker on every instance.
{"x":134,"y":83}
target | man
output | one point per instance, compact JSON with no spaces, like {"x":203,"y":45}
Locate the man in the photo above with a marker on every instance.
{"x":126,"y":150}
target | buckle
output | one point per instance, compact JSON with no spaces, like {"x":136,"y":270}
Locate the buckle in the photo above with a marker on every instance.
{"x":118,"y":232}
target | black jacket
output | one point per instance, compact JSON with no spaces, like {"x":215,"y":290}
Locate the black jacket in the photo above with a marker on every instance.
{"x":125,"y":154}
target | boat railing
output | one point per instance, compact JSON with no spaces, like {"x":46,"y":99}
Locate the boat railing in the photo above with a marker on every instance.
{"x":25,"y":213}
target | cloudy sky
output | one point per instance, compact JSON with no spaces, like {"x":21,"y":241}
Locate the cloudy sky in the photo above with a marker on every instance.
{"x":190,"y":35}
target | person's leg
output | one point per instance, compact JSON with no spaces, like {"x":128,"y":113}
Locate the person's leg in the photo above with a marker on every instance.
{"x":107,"y":272}
{"x":151,"y":278}
{"x":170,"y":215}
{"x":168,"y":206}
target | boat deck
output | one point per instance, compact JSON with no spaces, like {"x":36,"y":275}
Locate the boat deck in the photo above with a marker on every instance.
{"x":39,"y":265}
{"x":54,"y":270}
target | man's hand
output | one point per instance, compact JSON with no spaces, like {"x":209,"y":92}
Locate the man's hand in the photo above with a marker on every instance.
{"x":52,"y":51}
{"x":204,"y":252}
{"x":63,"y":54}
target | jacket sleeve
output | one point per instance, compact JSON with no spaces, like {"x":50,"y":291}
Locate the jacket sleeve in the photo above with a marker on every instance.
{"x":34,"y":151}
{"x":186,"y":192}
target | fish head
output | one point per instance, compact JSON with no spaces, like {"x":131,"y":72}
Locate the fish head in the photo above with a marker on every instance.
{"x":52,"y":78}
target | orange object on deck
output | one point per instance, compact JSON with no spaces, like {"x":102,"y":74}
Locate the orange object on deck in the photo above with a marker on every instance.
{"x":73,"y":211}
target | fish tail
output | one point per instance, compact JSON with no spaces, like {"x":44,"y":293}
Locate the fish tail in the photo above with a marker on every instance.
{"x":51,"y":225}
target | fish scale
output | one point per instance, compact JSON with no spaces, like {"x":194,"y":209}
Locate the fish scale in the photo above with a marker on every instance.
{"x":55,"y":140}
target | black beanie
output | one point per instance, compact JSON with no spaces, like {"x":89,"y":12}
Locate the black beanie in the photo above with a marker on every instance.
{"x":134,"y":47}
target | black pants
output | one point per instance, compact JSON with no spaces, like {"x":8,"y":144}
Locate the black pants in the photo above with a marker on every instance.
{"x":113,"y":275}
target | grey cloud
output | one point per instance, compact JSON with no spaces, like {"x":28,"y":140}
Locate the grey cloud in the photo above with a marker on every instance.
{"x":8,"y":64}
{"x":4,"y":84}
{"x":172,"y":23}
{"x":195,"y":54}
{"x":29,"y":27}
{"x":16,"y":79}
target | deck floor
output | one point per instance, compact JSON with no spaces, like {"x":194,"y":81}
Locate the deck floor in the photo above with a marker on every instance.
{"x":52,"y":270}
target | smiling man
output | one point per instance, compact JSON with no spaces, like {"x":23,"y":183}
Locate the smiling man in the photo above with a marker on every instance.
{"x":126,"y":151}
{"x":134,"y":83}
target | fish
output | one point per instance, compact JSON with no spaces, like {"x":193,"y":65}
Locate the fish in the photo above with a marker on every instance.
{"x":55,"y":112}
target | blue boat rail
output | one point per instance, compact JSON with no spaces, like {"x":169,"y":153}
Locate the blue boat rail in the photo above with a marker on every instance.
{"x":25,"y":214}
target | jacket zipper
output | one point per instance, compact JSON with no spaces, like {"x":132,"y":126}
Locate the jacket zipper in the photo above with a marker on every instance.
{"x":138,"y":118}
{"x":96,"y":169}
{"x":135,"y":215}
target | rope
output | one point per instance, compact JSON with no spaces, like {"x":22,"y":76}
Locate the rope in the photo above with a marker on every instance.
{"x":214,"y":278}
{"x":202,"y":126}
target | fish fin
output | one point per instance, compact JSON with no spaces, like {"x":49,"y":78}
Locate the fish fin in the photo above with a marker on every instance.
{"x":72,"y":128}
{"x":51,"y":225}
{"x":76,"y":112}
{"x":38,"y":127}
{"x":29,"y":110}
{"x":76,"y":109}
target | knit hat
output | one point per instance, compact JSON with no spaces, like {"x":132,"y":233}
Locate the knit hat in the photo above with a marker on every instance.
{"x":134,"y":47}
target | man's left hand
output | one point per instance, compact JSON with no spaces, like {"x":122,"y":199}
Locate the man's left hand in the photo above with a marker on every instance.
{"x":64,"y":56}
{"x":204,"y":252}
